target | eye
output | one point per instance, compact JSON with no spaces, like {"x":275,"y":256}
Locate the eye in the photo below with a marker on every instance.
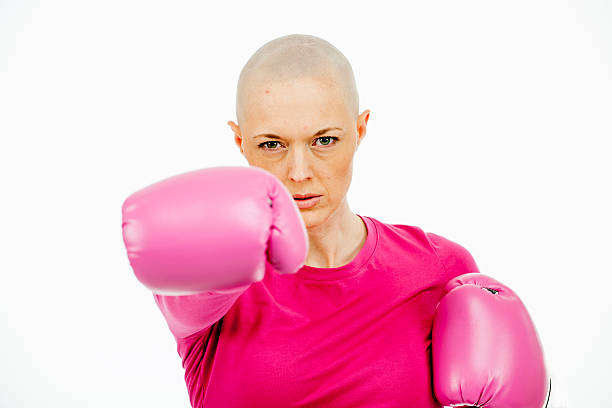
{"x":272,"y":145}
{"x":327,"y":140}
{"x":269,"y":145}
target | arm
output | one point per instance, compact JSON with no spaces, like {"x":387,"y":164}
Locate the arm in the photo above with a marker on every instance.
{"x":190,"y":314}
{"x":200,"y":239}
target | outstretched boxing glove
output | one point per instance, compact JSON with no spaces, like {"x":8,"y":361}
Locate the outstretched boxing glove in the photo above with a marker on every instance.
{"x":485,"y":349}
{"x":212,"y":230}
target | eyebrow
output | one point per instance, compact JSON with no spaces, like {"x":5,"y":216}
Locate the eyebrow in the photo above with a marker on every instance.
{"x":273,"y":136}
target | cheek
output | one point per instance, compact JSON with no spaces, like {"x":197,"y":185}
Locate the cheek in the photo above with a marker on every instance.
{"x":339,"y":177}
{"x":255,"y":157}
{"x":344,"y":165}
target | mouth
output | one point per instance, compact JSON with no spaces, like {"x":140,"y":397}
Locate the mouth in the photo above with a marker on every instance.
{"x":303,"y":197}
{"x":306,"y":201}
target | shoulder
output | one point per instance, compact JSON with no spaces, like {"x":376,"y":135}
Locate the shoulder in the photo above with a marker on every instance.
{"x":401,"y":234}
{"x":454,"y":257}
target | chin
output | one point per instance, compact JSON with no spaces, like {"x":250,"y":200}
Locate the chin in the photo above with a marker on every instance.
{"x":313,"y":217}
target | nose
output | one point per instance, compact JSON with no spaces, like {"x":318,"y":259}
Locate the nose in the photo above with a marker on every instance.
{"x":300,"y":168}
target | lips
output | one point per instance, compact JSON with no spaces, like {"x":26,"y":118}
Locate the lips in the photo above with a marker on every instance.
{"x":304,"y":196}
{"x":306,"y":201}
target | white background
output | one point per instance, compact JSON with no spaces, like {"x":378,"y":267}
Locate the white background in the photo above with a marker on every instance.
{"x":491,"y":125}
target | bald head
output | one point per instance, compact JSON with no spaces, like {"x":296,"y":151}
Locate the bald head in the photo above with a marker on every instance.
{"x":293,"y":57}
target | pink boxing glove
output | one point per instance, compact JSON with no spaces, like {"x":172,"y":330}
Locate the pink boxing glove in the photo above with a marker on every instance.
{"x":485,"y":348}
{"x":212,"y":229}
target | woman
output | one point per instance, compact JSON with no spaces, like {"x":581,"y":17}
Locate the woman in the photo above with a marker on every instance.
{"x":347,"y":321}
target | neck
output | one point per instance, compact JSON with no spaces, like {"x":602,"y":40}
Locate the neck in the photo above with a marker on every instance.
{"x":337,"y":241}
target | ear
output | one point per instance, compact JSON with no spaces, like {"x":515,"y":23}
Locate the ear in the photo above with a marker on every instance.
{"x":362,"y":123}
{"x":237,"y":135}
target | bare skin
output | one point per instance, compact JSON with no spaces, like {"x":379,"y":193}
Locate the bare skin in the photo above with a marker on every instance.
{"x":297,"y":111}
{"x":307,"y":162}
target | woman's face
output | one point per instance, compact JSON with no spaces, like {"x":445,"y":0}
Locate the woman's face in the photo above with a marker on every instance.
{"x":303,"y":133}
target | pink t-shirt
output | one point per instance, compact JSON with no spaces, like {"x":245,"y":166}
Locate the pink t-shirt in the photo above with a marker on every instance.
{"x":358,"y":335}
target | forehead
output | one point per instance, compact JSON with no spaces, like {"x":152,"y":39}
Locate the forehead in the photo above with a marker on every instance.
{"x":292,"y":100}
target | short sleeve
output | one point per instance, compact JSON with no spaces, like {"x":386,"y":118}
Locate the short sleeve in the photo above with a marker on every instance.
{"x":455,"y":258}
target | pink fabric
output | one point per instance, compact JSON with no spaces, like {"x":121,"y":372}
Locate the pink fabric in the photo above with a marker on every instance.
{"x":354,"y":336}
